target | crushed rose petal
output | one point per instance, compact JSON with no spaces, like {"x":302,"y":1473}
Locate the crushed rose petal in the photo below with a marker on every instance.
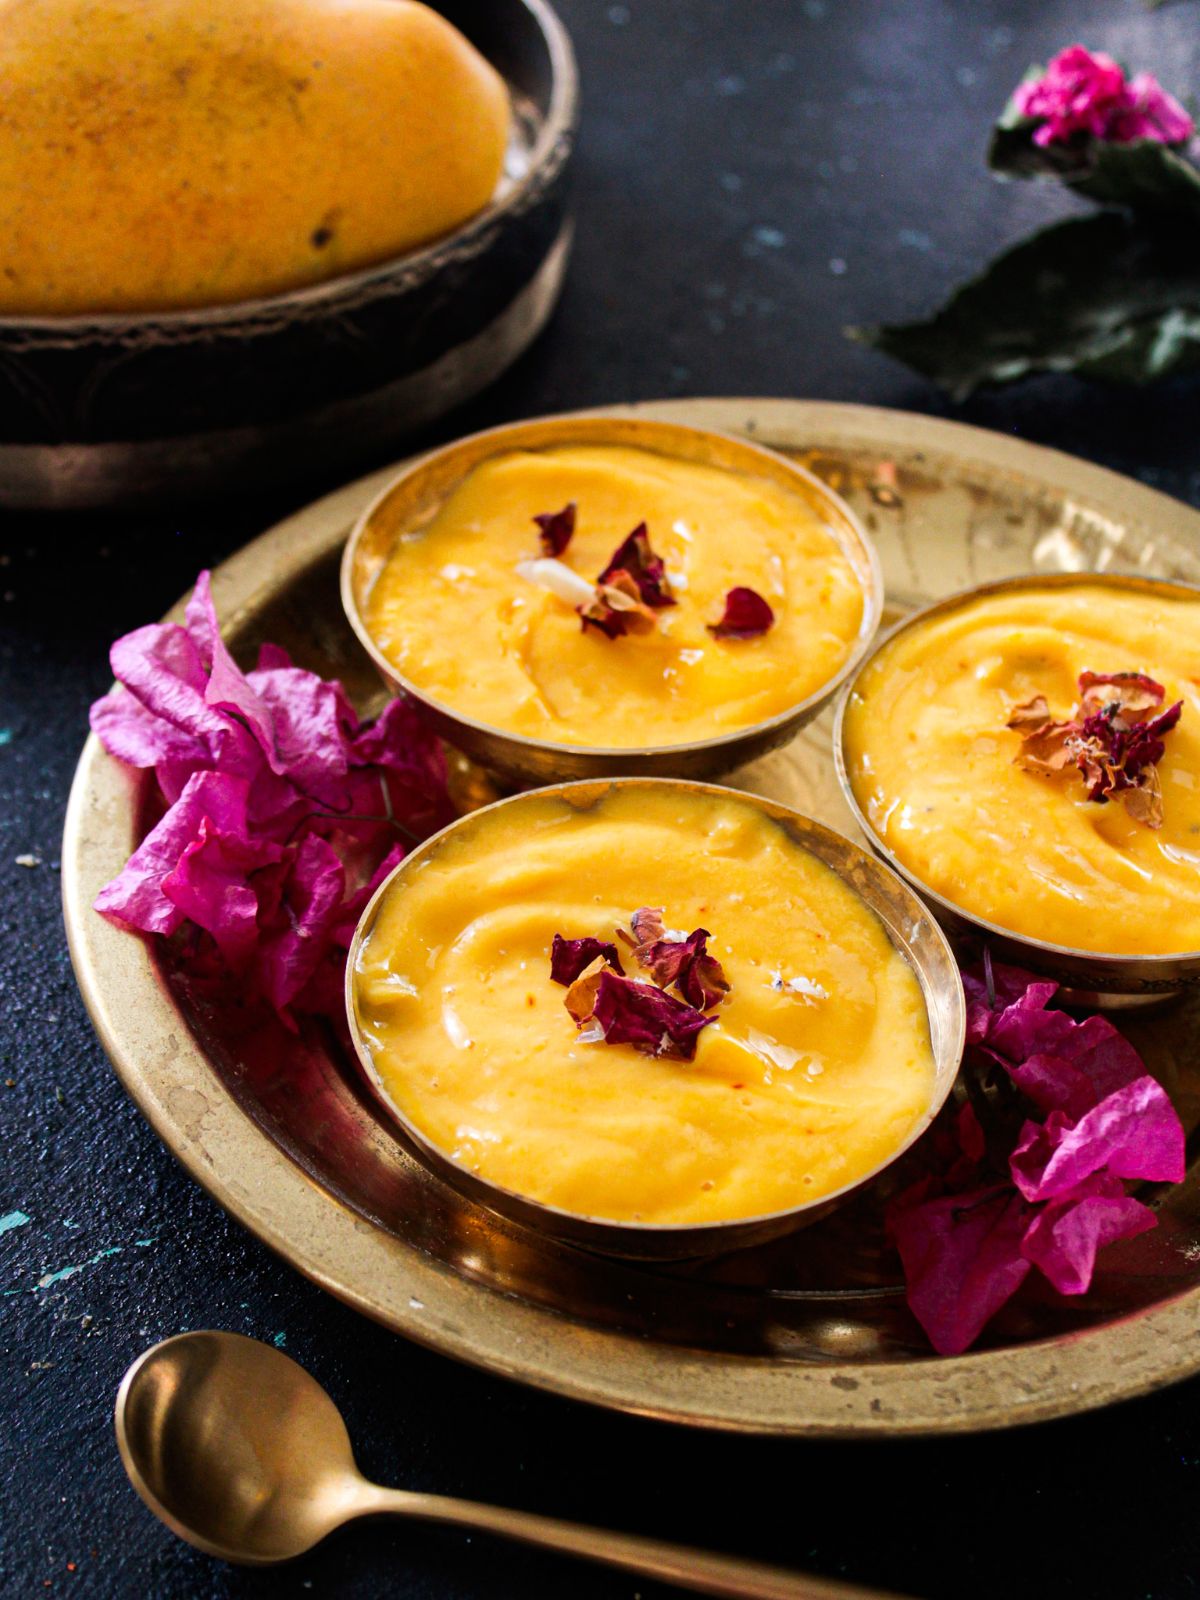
{"x":1114,"y":736}
{"x":647,"y":571}
{"x":616,"y":608}
{"x":555,"y":529}
{"x":629,"y":1011}
{"x":1053,"y":1198}
{"x":680,"y":961}
{"x":635,"y":1011}
{"x":569,"y":957}
{"x":282,"y":810}
{"x":746,"y":616}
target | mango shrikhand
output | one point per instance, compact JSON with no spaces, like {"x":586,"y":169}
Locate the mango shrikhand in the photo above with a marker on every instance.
{"x":658,"y":1009}
{"x":163,"y":154}
{"x":1034,"y":757}
{"x":611,"y":596}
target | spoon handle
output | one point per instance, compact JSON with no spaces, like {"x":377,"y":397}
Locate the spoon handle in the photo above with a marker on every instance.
{"x":699,"y":1570}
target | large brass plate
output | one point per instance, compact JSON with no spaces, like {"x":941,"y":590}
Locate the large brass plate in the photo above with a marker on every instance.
{"x":810,"y":1336}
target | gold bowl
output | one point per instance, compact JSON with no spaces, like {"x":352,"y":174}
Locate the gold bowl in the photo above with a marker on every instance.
{"x":1096,"y":978}
{"x":412,"y":499}
{"x":912,"y":931}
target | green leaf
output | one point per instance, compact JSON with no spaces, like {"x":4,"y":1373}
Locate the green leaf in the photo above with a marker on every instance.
{"x":1101,"y":296}
{"x":1145,"y":175}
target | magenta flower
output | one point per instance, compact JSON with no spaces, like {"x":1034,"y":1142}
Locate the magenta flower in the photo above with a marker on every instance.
{"x":1081,"y":93}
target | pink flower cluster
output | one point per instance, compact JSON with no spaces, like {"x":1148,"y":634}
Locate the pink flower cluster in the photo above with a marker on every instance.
{"x":969,"y":1238}
{"x":282,"y":809}
{"x":1085,"y":93}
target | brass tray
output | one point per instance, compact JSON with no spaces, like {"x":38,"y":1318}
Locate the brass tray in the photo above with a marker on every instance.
{"x":808,"y":1336}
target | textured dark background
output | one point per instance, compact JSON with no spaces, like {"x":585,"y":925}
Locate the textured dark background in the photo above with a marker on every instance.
{"x":752,"y":175}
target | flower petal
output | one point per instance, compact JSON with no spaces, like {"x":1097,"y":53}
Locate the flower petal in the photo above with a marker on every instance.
{"x":962,"y":1259}
{"x":1064,"y":1238}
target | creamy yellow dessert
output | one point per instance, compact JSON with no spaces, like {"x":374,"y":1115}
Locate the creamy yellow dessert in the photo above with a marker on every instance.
{"x":177,"y":153}
{"x":817,"y":1067}
{"x":948,"y":786}
{"x":467,"y":615}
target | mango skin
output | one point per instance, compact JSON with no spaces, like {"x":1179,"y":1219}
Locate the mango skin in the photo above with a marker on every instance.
{"x":167,"y":154}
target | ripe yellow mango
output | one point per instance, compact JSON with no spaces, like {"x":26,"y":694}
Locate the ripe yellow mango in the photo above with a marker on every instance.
{"x":160,"y":154}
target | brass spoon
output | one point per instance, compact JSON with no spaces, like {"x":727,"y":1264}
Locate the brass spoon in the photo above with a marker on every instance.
{"x":244,"y":1455}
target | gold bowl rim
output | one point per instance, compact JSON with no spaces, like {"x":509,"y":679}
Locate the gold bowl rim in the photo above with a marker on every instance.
{"x":1099,"y":961}
{"x":638,"y":431}
{"x":559,"y":123}
{"x":605,"y":1233}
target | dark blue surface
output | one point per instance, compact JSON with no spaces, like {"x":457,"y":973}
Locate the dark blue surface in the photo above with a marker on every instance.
{"x":753,"y":175}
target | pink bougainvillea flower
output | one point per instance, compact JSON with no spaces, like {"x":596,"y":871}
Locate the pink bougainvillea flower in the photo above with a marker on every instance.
{"x":962,"y":1259}
{"x":968,"y":1236}
{"x":746,"y":615}
{"x":1065,"y":1237}
{"x":1086,"y":94}
{"x":211,"y":805}
{"x":1133,"y":1132}
{"x":281,"y":805}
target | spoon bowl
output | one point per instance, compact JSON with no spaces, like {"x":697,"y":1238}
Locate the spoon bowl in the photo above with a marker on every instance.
{"x":235,"y":1447}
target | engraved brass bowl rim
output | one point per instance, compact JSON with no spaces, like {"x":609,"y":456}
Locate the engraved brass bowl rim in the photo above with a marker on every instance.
{"x":192,"y":1108}
{"x":414,"y":494}
{"x":920,"y":942}
{"x":1097,"y":971}
{"x":360,"y":282}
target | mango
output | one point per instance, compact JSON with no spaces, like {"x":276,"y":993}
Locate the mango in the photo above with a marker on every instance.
{"x":164,"y":154}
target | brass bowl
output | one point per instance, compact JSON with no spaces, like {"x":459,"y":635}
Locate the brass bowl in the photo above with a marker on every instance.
{"x":149,"y":408}
{"x":1110,"y":981}
{"x":911,"y":930}
{"x":413,"y":498}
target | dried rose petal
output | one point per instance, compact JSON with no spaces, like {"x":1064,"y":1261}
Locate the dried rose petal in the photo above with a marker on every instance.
{"x":647,"y":571}
{"x":682,"y":962}
{"x":580,"y":998}
{"x":569,"y":957}
{"x":1134,"y":693}
{"x":653,"y":1022}
{"x":746,"y":616}
{"x":556,"y":528}
{"x":647,"y":924}
{"x":1111,"y":737}
{"x":1044,"y":742}
{"x":616,"y":608}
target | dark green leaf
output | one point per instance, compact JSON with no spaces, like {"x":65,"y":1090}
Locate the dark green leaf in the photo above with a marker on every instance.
{"x":1143,"y":176}
{"x":1102,"y":296}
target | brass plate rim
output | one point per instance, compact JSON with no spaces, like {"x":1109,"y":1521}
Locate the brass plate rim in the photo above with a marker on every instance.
{"x":196,"y":1116}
